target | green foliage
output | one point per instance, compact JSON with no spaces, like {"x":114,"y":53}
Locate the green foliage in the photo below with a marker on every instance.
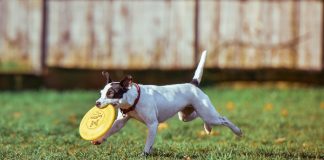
{"x":278,"y":124}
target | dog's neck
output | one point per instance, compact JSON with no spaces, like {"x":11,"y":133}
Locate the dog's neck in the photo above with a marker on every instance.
{"x":129,"y":97}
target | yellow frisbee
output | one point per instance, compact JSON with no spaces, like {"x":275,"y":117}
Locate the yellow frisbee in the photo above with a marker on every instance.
{"x":96,"y":122}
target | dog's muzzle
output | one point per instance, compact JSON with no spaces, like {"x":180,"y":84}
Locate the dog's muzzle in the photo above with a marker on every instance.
{"x":98,"y":104}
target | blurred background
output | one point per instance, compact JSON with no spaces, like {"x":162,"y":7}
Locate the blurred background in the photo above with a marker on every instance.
{"x":264,"y":71}
{"x":63,"y":44}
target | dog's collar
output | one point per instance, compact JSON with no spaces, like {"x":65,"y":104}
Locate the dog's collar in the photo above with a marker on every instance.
{"x":124,"y":111}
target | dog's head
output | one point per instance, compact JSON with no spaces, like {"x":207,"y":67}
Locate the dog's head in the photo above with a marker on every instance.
{"x":113,"y":91}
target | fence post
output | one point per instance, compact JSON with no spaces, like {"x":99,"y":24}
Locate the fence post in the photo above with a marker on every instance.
{"x":295,"y":32}
{"x":322,"y":36}
{"x":196,"y":32}
{"x":44,"y":36}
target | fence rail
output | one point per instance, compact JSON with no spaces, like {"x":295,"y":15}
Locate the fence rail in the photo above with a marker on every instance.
{"x":160,"y":34}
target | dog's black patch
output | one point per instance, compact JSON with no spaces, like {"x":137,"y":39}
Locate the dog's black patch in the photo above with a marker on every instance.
{"x":195,"y":82}
{"x":116,"y":91}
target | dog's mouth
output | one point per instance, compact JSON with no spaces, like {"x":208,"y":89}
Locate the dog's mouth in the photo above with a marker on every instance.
{"x":113,"y":104}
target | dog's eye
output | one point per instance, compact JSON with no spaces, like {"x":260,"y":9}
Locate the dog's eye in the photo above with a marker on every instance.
{"x":110,"y":94}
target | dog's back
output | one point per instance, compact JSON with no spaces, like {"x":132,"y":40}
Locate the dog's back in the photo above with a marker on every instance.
{"x":170,"y":99}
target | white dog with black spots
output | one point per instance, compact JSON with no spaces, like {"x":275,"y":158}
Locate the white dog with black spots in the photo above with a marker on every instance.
{"x":151,"y":105}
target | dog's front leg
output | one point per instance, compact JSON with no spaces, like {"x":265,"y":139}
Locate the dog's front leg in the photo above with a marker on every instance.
{"x":118,"y":124}
{"x":152,"y":129}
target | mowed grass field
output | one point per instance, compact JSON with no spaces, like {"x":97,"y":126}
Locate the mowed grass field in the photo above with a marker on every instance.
{"x":286,"y":123}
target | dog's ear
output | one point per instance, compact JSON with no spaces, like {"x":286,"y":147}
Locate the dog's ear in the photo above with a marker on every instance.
{"x":126,"y":82}
{"x":106,"y":74}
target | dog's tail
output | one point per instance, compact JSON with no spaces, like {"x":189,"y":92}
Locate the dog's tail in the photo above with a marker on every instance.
{"x":199,"y":71}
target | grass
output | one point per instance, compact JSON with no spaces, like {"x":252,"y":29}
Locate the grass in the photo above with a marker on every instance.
{"x":278,"y":124}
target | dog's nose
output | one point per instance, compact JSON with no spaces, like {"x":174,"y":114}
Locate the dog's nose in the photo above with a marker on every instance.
{"x":98,"y":104}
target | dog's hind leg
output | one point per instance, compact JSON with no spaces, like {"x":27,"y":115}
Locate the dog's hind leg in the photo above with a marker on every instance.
{"x":187,"y":114}
{"x":211,"y":117}
{"x":218,"y":120}
{"x":225,"y":122}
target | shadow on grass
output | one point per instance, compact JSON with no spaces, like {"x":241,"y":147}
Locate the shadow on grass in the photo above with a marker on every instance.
{"x":286,"y":155}
{"x":158,"y":153}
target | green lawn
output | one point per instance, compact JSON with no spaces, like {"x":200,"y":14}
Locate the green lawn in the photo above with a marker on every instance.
{"x":278,"y":124}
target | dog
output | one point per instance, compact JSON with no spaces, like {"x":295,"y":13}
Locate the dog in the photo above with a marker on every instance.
{"x":151,"y":105}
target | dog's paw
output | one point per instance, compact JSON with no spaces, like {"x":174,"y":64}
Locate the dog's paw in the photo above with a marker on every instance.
{"x":207,"y":128}
{"x":240,"y":133}
{"x":145,"y":154}
{"x":97,"y":142}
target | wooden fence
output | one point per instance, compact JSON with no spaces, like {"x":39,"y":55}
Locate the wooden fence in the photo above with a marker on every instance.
{"x":160,"y":34}
{"x":20,"y":36}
